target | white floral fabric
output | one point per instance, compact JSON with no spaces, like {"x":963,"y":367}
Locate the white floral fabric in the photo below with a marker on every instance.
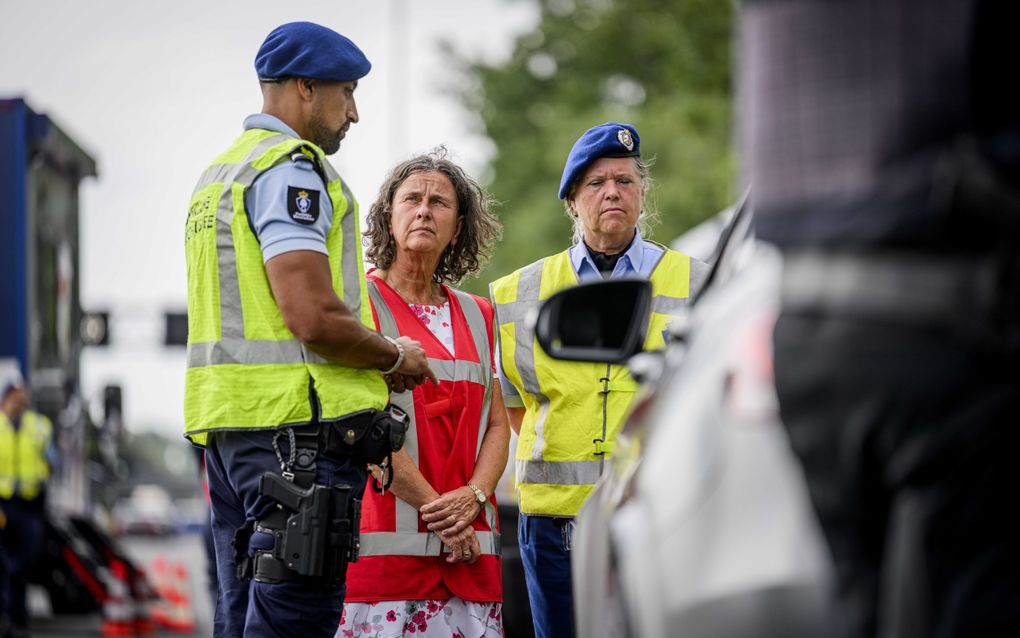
{"x":454,"y":618}
{"x":437,"y":320}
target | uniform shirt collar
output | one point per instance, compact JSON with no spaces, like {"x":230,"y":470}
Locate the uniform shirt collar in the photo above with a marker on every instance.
{"x":269,"y":123}
{"x":630,"y":262}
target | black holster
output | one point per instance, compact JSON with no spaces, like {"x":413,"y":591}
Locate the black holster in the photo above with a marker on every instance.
{"x":315,"y":533}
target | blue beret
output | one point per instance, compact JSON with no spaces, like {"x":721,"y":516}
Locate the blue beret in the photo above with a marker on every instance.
{"x":611,"y":139}
{"x":308,"y":50}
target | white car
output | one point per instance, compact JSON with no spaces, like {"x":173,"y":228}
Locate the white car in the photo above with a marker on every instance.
{"x":701,"y":524}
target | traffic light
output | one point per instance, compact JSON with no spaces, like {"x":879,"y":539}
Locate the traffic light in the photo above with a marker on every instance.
{"x":95,"y":328}
{"x":176,"y":329}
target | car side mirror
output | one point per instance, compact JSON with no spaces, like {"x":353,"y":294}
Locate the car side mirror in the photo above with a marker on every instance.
{"x":602,"y":322}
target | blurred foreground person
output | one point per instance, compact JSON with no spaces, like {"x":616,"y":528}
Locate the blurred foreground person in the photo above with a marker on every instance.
{"x":568,"y":414}
{"x":430,"y":563}
{"x":25,"y":438}
{"x":284,"y":384}
{"x":882,"y":140}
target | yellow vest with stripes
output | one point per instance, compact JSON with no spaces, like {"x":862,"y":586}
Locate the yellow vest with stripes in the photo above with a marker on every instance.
{"x":573,"y":410}
{"x":246,"y":370}
{"x":23,"y":466}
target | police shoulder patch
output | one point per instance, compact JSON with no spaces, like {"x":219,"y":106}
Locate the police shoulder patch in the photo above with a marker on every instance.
{"x":303,"y":204}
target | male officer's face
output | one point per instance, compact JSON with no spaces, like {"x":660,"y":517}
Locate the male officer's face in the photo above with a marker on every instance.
{"x":333,"y":112}
{"x":607,"y":197}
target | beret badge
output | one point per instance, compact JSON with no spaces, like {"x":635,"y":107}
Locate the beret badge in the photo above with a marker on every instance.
{"x":624,"y":136}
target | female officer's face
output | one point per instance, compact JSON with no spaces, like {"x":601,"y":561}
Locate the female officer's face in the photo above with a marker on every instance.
{"x":607,"y":200}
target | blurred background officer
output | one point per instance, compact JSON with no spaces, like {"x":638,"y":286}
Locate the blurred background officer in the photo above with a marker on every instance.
{"x":25,"y":438}
{"x":882,"y":139}
{"x":280,"y":334}
{"x":568,"y":414}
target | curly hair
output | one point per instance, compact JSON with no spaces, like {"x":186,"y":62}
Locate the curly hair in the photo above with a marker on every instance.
{"x":479,"y":232}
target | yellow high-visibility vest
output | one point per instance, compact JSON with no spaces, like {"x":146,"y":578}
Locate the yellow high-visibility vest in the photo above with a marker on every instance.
{"x":24,"y":469}
{"x":246,"y":369}
{"x":573,"y":410}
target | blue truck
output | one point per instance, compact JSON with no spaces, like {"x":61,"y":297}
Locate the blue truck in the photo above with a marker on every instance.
{"x":41,"y":169}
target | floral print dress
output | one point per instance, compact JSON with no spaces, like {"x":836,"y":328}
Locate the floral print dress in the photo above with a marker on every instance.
{"x":453,"y":618}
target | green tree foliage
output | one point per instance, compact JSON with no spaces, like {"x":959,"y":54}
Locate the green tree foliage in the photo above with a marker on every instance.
{"x":662,"y":65}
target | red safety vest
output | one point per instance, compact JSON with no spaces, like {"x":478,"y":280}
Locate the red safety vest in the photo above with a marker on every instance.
{"x":399,"y":558}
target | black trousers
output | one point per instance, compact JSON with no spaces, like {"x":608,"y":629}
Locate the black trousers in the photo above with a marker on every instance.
{"x":909,"y":437}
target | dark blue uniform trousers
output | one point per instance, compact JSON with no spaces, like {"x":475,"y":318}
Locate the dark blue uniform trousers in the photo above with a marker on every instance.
{"x":22,"y":541}
{"x":544,"y":543}
{"x":235,"y":461}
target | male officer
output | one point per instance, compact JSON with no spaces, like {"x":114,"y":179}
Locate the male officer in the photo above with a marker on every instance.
{"x":283,"y":375}
{"x":24,"y":441}
{"x":568,"y":414}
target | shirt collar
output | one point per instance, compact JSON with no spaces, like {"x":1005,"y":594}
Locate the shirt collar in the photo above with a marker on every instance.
{"x":579,"y":255}
{"x":269,"y":123}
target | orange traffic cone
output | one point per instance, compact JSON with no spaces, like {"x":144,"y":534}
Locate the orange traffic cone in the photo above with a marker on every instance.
{"x":118,"y":611}
{"x":173,"y":612}
{"x":142,"y":596}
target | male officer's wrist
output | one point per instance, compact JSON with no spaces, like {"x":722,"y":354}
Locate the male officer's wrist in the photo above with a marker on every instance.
{"x":400,"y":355}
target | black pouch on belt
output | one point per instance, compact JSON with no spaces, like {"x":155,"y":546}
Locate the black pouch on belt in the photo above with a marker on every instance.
{"x":368,"y":436}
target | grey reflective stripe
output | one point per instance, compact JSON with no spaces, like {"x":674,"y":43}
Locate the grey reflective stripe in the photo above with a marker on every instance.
{"x":529,"y":284}
{"x":558,"y":472}
{"x":231,"y":315}
{"x":417,"y":543}
{"x":699,"y":273}
{"x":480,"y":335}
{"x":518,"y":311}
{"x":349,"y":266}
{"x":228,"y":351}
{"x":242,"y":172}
{"x":387,"y":324}
{"x":312,"y":357}
{"x":405,"y":401}
{"x":458,"y":370}
{"x":478,"y":328}
{"x":664,"y":305}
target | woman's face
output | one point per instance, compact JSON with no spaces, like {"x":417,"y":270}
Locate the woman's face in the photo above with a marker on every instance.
{"x":607,"y":197}
{"x":424,"y":215}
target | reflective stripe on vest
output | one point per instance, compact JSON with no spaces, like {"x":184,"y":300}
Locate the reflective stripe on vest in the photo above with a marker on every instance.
{"x":406,"y":540}
{"x":246,"y":370}
{"x":585,"y":404}
{"x":24,"y":469}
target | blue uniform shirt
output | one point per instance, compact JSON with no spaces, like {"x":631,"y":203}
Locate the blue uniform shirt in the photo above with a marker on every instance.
{"x":639,"y":260}
{"x":267,"y":203}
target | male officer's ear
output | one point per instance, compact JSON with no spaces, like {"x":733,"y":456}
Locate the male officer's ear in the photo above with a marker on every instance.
{"x":306,"y":86}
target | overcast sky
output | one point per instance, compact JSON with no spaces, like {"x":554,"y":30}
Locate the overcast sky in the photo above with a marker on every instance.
{"x":153,"y":91}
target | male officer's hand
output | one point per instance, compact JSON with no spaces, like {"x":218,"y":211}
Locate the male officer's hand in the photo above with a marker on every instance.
{"x":414,"y":370}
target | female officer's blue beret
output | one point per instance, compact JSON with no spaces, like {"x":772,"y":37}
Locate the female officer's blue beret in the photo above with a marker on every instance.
{"x":611,"y":139}
{"x":308,"y":50}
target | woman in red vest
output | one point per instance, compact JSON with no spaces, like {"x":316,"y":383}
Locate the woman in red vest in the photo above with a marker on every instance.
{"x":429,"y":562}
